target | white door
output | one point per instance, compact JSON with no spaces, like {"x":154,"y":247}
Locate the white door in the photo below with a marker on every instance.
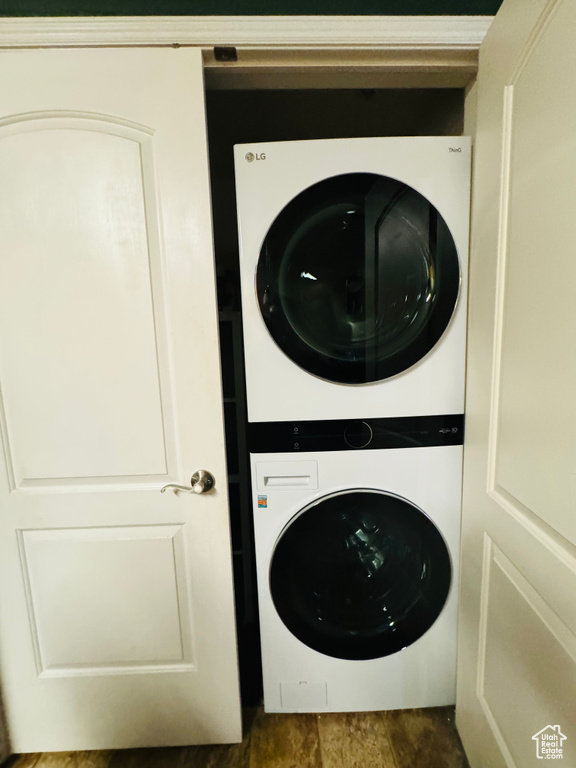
{"x":517,"y":656}
{"x":117,"y":619}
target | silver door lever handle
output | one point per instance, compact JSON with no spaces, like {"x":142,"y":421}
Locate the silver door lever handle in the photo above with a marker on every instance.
{"x":200,"y":482}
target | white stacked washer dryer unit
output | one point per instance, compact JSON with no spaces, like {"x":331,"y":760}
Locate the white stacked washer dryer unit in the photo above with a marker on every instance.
{"x":353,"y":257}
{"x":357,"y":559}
{"x":353,"y":264}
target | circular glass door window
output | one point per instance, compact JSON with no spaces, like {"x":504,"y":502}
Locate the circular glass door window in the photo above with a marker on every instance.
{"x":357,"y":278}
{"x":360,"y":574}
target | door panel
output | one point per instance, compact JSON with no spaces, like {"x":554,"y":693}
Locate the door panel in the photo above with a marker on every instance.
{"x":110,"y":384}
{"x":537,"y":304}
{"x":80,"y":368}
{"x":517,"y":652}
{"x":523,"y":643}
{"x":145,"y":624}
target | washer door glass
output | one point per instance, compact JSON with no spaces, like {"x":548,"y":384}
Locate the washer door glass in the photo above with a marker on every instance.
{"x":357,"y":278}
{"x":360,"y":574}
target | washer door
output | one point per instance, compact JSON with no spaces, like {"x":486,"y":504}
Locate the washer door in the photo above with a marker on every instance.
{"x":357,"y":278}
{"x":360,"y":574}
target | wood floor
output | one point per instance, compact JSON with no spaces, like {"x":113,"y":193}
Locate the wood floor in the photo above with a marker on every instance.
{"x":418,"y":738}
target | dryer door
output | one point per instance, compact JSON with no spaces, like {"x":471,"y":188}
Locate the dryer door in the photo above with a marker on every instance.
{"x":360,"y":574}
{"x":357,"y":278}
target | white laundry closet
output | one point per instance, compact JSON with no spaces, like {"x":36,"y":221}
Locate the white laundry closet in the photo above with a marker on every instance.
{"x":105,"y":119}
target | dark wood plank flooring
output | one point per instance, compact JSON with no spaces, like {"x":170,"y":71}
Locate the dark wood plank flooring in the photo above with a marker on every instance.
{"x":414,"y":738}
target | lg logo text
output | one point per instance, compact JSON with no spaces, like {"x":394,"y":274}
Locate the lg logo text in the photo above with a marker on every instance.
{"x":250,"y":156}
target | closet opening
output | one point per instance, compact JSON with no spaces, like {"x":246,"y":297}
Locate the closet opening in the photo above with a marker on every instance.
{"x":264,"y":115}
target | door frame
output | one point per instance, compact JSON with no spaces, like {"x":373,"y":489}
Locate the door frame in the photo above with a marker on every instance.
{"x":446,"y":33}
{"x":286,"y":51}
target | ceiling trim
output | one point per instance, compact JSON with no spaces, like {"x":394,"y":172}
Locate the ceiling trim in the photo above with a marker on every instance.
{"x":425,"y":33}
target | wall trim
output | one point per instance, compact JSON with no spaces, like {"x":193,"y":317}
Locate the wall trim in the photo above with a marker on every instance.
{"x":419,"y":33}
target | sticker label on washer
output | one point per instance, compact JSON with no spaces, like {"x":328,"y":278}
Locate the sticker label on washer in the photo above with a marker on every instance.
{"x":262,"y":501}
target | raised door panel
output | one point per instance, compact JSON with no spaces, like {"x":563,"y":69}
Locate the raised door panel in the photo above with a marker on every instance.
{"x":81,"y":312}
{"x":108,"y":600}
{"x":527,"y":658}
{"x":533,"y":434}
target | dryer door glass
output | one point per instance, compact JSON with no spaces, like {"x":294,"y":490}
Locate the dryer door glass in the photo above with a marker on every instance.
{"x":357,"y":278}
{"x":360,"y":574}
